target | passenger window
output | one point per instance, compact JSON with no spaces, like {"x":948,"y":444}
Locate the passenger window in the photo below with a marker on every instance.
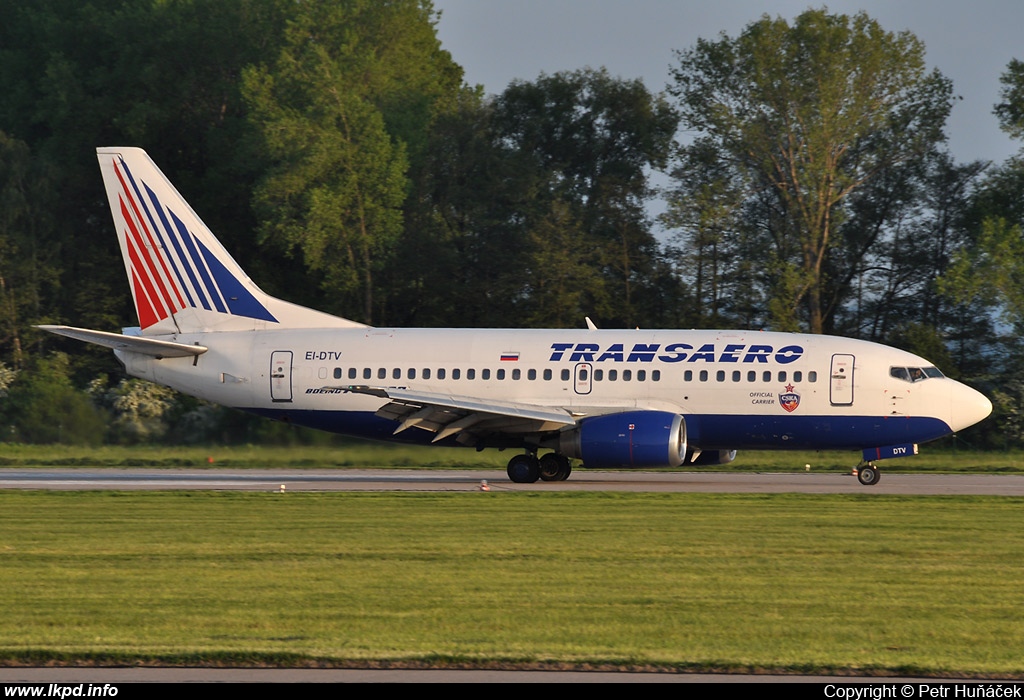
{"x":499,"y":375}
{"x":547,"y":375}
{"x":656,"y":375}
{"x":736,"y":375}
{"x":411,"y":374}
{"x":627,"y":375}
{"x":598,"y":375}
{"x":470,"y":374}
{"x":517,"y":374}
{"x":531,"y":374}
{"x":337,"y":372}
{"x":751,"y":376}
{"x":812,"y":376}
{"x":351,"y":372}
{"x":382,"y":373}
{"x":485,"y":374}
{"x":456,"y":373}
{"x":367,"y":373}
{"x":613,"y":374}
{"x":441,"y":373}
{"x":565,"y":375}
{"x":688,"y":375}
{"x":396,"y":373}
{"x":703,"y":375}
{"x":798,"y":376}
{"x":426,"y":373}
{"x":641,"y":375}
{"x":720,"y":375}
{"x":766,"y":376}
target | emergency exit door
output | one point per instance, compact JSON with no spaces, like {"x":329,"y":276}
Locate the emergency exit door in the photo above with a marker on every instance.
{"x":584,"y":377}
{"x":841,"y":386}
{"x":281,"y":376}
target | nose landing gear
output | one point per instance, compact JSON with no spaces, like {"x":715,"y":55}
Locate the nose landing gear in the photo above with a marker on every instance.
{"x":867,"y":473}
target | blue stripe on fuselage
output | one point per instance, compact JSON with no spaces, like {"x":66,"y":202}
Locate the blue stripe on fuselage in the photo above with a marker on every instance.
{"x":704,"y":431}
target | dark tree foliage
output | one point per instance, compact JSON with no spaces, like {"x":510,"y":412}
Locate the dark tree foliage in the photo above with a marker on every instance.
{"x":336,"y":151}
{"x":807,"y":114}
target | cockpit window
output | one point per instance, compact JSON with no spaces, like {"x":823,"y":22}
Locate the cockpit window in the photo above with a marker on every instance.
{"x":914,"y":374}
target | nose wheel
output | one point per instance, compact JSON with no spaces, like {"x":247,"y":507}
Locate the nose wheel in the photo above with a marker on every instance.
{"x":867,"y":474}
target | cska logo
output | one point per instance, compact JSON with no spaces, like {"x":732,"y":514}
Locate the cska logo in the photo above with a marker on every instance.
{"x":790,"y":400}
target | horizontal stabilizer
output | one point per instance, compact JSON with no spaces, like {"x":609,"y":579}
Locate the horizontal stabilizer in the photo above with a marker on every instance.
{"x":129,"y":343}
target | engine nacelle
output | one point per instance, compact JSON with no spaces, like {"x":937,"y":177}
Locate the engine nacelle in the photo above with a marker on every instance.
{"x":710,"y":457}
{"x":631,"y":439}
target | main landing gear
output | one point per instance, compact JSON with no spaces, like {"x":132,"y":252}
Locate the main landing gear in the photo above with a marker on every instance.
{"x":867,"y":473}
{"x":526,"y":468}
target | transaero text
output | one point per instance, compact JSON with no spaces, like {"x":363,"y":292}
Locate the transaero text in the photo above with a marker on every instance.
{"x":674,"y":352}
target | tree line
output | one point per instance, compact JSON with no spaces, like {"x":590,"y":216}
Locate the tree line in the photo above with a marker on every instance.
{"x":338,"y":152}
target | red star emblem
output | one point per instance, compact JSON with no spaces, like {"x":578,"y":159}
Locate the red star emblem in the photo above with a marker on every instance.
{"x":789,"y":387}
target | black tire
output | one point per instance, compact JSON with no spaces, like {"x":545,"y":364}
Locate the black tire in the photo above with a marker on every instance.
{"x":868,"y":475}
{"x":523,"y":469}
{"x":549,"y":467}
{"x":554,"y":467}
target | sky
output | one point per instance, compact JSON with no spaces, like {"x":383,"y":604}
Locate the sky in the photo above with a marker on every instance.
{"x":498,"y":41}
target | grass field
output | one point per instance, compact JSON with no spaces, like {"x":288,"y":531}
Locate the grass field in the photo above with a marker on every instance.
{"x":864,"y":584}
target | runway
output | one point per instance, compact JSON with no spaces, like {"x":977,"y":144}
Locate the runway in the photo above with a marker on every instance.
{"x":447,"y":480}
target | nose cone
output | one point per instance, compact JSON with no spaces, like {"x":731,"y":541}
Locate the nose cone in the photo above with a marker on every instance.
{"x":967,"y":407}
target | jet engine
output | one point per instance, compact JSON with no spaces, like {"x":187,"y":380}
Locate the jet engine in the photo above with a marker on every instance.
{"x":632,"y":439}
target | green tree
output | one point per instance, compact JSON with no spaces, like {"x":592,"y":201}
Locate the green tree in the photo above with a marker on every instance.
{"x":28,"y":276}
{"x":347,"y":100}
{"x":807,"y":113}
{"x":590,"y":141}
{"x":991,"y":271}
{"x":42,"y":406}
{"x":989,"y":268}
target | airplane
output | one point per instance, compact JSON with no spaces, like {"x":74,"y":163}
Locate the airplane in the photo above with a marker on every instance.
{"x":611,"y":398}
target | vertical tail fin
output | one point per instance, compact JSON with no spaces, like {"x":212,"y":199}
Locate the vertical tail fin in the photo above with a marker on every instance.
{"x":182,"y":279}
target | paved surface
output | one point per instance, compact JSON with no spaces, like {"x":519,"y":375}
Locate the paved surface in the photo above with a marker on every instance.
{"x":463,"y":480}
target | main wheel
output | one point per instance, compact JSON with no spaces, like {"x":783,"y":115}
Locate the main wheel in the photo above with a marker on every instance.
{"x":868,"y":475}
{"x":523,"y":469}
{"x":554,"y":467}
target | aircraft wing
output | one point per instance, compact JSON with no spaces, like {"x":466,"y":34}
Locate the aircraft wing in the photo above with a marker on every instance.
{"x":446,"y":414}
{"x":131,"y":343}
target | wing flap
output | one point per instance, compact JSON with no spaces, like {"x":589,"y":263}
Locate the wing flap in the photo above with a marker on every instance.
{"x":446,"y":414}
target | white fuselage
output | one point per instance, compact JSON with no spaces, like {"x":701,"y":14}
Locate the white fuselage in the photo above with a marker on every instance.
{"x":735,"y":388}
